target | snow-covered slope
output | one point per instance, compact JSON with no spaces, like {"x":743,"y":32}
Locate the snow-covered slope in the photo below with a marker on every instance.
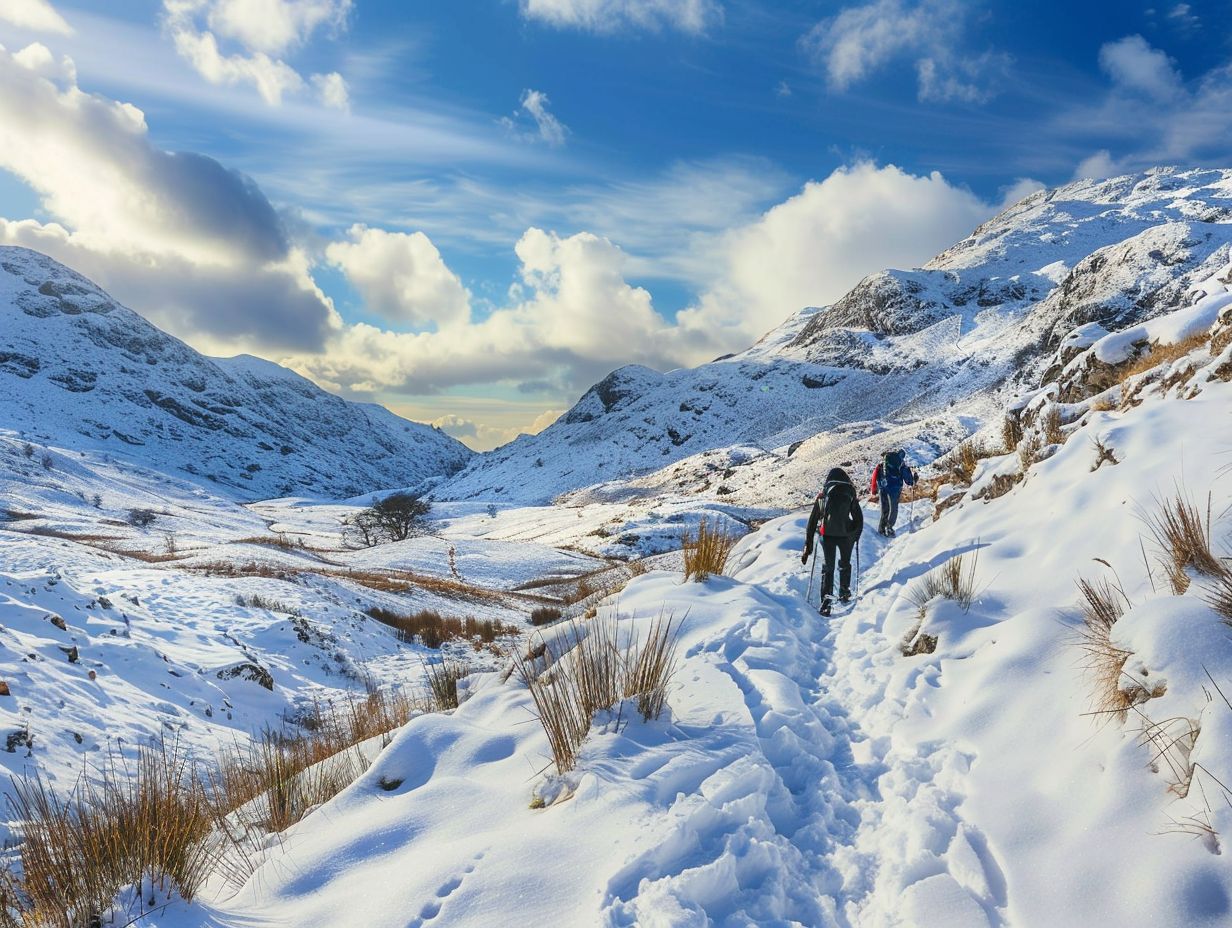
{"x":80,"y":371}
{"x":836,"y":773}
{"x":929,"y":354}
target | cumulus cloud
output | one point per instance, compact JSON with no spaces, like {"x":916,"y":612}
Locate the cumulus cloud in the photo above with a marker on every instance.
{"x":38,"y":15}
{"x":573,"y":315}
{"x":264,"y":31}
{"x":814,"y":247}
{"x":607,"y":16}
{"x":174,"y":232}
{"x":860,"y":40}
{"x":402,"y":277}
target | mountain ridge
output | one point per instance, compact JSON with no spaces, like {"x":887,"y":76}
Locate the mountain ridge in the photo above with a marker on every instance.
{"x":86,"y":373}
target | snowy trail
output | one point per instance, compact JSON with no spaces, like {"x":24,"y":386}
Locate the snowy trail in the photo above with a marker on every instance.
{"x":774,"y":796}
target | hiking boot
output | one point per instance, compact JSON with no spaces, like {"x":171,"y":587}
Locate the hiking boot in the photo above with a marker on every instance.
{"x":889,"y":532}
{"x":844,"y":596}
{"x":825,"y":606}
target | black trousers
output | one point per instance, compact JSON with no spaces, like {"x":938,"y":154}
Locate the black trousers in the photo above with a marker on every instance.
{"x":830,"y":546}
{"x":889,"y":508}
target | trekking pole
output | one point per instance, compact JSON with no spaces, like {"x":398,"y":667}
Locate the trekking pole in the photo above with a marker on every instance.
{"x":857,"y":568}
{"x":808,"y":595}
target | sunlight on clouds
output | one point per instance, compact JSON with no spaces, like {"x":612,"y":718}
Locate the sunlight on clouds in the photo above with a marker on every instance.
{"x":196,"y":245}
{"x":264,"y":29}
{"x":614,"y":15}
{"x":484,"y":436}
{"x":402,"y":277}
{"x":38,"y":15}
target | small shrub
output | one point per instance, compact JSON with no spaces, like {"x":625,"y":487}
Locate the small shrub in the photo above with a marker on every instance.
{"x":142,"y":518}
{"x":1011,"y":432}
{"x":649,"y":667}
{"x":706,"y":552}
{"x":433,"y":629}
{"x":1050,"y":425}
{"x":1103,"y":454}
{"x":1029,"y":449}
{"x":97,"y":501}
{"x":1183,"y":540}
{"x":48,"y":462}
{"x":28,"y":450}
{"x":544,"y":615}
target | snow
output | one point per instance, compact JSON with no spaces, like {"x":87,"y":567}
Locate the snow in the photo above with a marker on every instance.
{"x":807,"y":772}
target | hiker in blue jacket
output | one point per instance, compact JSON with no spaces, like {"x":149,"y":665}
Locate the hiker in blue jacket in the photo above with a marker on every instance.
{"x":888,"y":479}
{"x":838,"y":520}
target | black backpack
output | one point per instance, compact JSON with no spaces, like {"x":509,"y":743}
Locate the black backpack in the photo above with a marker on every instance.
{"x":892,"y":465}
{"x":837,"y":499}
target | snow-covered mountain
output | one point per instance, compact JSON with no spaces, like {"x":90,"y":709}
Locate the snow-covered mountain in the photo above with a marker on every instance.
{"x":926,"y":355}
{"x":83,"y":372}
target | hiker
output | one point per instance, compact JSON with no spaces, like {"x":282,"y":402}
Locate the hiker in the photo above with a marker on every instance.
{"x":887,"y":484}
{"x":837,"y":517}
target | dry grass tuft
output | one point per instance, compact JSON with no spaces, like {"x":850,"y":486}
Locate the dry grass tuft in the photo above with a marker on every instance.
{"x":706,"y":552}
{"x":442,"y":679}
{"x":544,"y":615}
{"x":1011,"y":432}
{"x":433,"y":629}
{"x":1155,"y":355}
{"x":1029,"y":450}
{"x":594,"y":673}
{"x":955,"y":580}
{"x":1051,"y":425}
{"x":119,"y":827}
{"x":1103,"y":454}
{"x":958,"y":466}
{"x":1103,"y":604}
{"x":1183,"y":540}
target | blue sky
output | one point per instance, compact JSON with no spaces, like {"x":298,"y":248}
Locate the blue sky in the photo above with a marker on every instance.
{"x":470,"y":211}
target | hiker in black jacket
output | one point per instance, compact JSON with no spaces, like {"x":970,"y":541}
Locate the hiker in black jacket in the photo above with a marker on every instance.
{"x":837,"y":517}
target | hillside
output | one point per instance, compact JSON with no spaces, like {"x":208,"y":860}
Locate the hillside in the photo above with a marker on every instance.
{"x":926,"y":355}
{"x":82,"y":372}
{"x":1001,"y":750}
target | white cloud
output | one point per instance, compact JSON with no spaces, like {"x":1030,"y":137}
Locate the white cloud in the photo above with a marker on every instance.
{"x":273,"y":26}
{"x":1135,"y":66}
{"x":615,"y":15}
{"x":264,"y":30}
{"x":813,"y":248}
{"x":196,"y":245}
{"x":533,"y":111}
{"x":860,"y":40}
{"x":1020,"y":188}
{"x":1097,"y":166}
{"x":551,"y":129}
{"x":573,"y":315}
{"x":483,"y":436}
{"x":332,"y":90}
{"x":1150,"y":116}
{"x":1183,"y":17}
{"x":402,"y":277}
{"x":38,"y":15}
